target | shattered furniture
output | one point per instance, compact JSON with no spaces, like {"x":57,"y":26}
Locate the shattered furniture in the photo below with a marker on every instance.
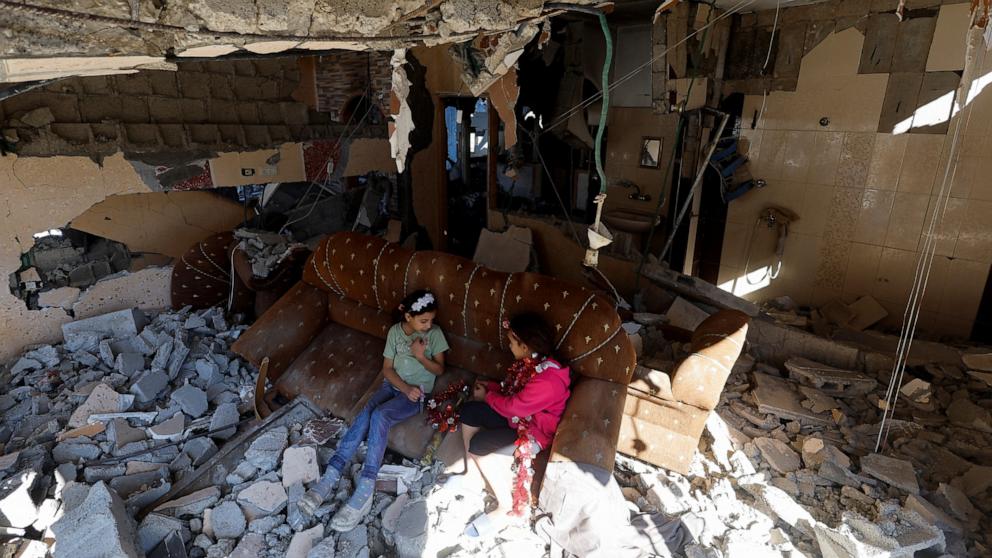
{"x":664,"y":415}
{"x":202,"y":277}
{"x":325,"y":337}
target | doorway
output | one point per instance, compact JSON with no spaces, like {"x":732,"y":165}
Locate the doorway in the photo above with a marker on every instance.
{"x":466,"y":169}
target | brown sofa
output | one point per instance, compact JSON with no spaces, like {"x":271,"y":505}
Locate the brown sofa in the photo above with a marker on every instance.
{"x":325,"y":336}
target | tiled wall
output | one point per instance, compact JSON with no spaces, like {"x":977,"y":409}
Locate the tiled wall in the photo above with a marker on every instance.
{"x":863,"y":198}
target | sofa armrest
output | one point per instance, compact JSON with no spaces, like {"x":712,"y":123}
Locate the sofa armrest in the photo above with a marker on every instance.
{"x":285,"y":329}
{"x":590,"y":428}
{"x":717,"y":342}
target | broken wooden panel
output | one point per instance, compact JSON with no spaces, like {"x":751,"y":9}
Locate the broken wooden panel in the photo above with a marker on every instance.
{"x":912,"y":45}
{"x":901,"y":96}
{"x":880,"y":44}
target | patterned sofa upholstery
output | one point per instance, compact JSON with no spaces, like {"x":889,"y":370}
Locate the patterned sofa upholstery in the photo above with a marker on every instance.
{"x":202,"y":277}
{"x":325,"y":336}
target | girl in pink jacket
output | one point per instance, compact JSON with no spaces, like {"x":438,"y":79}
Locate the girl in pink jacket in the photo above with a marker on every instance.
{"x":507,"y":423}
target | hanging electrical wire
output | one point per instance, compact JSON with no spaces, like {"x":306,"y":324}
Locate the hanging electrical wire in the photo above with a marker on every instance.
{"x":771,"y":41}
{"x":925,"y":261}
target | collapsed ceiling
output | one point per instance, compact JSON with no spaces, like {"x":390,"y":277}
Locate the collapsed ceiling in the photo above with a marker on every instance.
{"x":53,"y":38}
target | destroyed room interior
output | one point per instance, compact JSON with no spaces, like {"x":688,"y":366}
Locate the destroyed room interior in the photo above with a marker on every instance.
{"x":500,"y":278}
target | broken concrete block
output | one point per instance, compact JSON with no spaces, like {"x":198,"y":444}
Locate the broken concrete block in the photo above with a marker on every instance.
{"x":816,"y":452}
{"x":143,"y":498}
{"x":192,"y":399}
{"x":103,"y":399}
{"x":781,"y":505}
{"x":208,"y":371}
{"x":129,"y":363}
{"x":965,"y":413}
{"x":99,"y":526}
{"x":303,"y":541}
{"x":262,"y":498}
{"x":228,"y":521}
{"x":779,"y":397}
{"x":122,"y":323}
{"x":223,"y":423}
{"x":932,"y":514}
{"x":866,"y":311}
{"x":858,"y":537}
{"x":685,"y":315}
{"x":251,"y":545}
{"x":17,"y":506}
{"x":71,"y":451}
{"x":172,"y":546}
{"x":355,"y":542}
{"x":325,"y":548}
{"x":299,"y":464}
{"x":129,"y":484}
{"x":25,"y":364}
{"x":391,"y":514}
{"x":194,"y":321}
{"x":917,"y":391}
{"x":830,"y":380}
{"x":779,"y":455}
{"x":162,"y":355}
{"x":959,"y":504}
{"x":179,"y":353}
{"x":147,"y":387}
{"x":191,"y":504}
{"x":895,"y":472}
{"x":978,"y":361}
{"x":94,"y":473}
{"x":264,"y":451}
{"x":200,"y":450}
{"x":171,"y":429}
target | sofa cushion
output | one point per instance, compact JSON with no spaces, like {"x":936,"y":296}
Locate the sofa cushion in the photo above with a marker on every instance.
{"x":335,"y":370}
{"x":474,"y":301}
{"x":589,"y":427}
{"x":716,"y":344}
{"x":202,"y":276}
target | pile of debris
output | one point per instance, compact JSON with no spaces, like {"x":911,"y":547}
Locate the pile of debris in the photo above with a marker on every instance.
{"x":789,"y":463}
{"x":266,"y":250}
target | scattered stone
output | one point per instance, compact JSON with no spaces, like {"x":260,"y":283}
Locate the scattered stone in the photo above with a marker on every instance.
{"x":149,"y":385}
{"x":780,"y":397}
{"x":815,"y":452}
{"x":99,"y":526}
{"x":171,"y":547}
{"x":154,"y":528}
{"x":262,"y":498}
{"x":171,"y":429}
{"x":978,"y":361}
{"x":355,"y":542}
{"x":303,"y":542}
{"x":933,"y":515}
{"x":191,"y":504}
{"x":120,"y":432}
{"x":895,"y":472}
{"x":962,"y":411}
{"x":38,"y":117}
{"x":191,"y":399}
{"x":265,"y":451}
{"x":72,"y":451}
{"x":323,"y":549}
{"x":228,"y":521}
{"x":299,"y":464}
{"x":830,"y":380}
{"x":225,"y":416}
{"x":129,"y":363}
{"x":779,"y":455}
{"x":251,"y":545}
{"x":103,"y":399}
{"x":200,"y":450}
{"x":265,"y":524}
{"x":410,"y":536}
{"x":62,"y":297}
{"x":122,"y":323}
{"x":902,"y":533}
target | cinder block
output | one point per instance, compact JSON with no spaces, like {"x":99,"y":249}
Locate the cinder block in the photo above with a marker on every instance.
{"x":194,"y":85}
{"x":294,"y":113}
{"x":271,"y":113}
{"x":218,"y":67}
{"x":164,"y":83}
{"x":105,"y":133}
{"x":134,"y":110}
{"x":257,"y":136}
{"x":204,"y":134}
{"x":133,"y":84}
{"x":194,"y":111}
{"x":142,"y":134}
{"x":231,"y":134}
{"x":222,"y":112}
{"x":96,"y":109}
{"x":165,"y":110}
{"x":78,"y":134}
{"x":174,"y":135}
{"x":247,"y":113}
{"x":220,"y":87}
{"x":244,"y":67}
{"x":280,"y":134}
{"x":97,"y":85}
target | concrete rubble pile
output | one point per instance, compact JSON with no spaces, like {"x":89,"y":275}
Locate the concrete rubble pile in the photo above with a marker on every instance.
{"x":787,"y":465}
{"x":104,"y":424}
{"x":265,"y":249}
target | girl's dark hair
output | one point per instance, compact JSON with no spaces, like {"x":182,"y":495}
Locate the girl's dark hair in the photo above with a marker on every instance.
{"x":406,"y":305}
{"x":534,"y":332}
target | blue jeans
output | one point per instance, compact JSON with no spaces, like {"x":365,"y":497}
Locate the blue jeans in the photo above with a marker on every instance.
{"x":388,"y":406}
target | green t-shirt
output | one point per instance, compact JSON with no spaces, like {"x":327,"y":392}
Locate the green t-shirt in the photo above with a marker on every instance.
{"x":407,"y":366}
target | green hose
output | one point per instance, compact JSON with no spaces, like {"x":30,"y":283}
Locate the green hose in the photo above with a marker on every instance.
{"x":606,"y":102}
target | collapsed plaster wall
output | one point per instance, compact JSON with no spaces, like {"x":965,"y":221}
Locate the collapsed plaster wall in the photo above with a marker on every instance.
{"x":879,"y":183}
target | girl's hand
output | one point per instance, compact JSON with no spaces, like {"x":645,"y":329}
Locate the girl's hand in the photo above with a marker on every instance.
{"x":413,"y":393}
{"x":479,"y":391}
{"x":418,"y":347}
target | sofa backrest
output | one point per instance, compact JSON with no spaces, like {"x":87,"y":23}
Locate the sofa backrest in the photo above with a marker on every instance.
{"x":367,"y":277}
{"x":716,"y":344}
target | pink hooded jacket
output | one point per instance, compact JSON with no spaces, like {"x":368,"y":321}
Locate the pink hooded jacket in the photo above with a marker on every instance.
{"x":543,"y":398}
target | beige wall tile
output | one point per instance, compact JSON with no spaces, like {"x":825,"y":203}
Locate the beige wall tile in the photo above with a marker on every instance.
{"x":815,"y":210}
{"x":822,"y":295}
{"x":954,"y":326}
{"x":963,"y":288}
{"x":873,"y":218}
{"x":946,"y":229}
{"x":981,"y":177}
{"x":735,"y":244}
{"x":966,"y":176}
{"x":894,"y":280}
{"x":797,"y":155}
{"x":826,"y":156}
{"x":906,"y":221}
{"x":921,"y":162}
{"x":862,"y":269}
{"x":886,"y":161}
{"x":769,"y":163}
{"x":975,"y":238}
{"x":726,"y":277}
{"x":855,"y":155}
{"x":936,"y":284}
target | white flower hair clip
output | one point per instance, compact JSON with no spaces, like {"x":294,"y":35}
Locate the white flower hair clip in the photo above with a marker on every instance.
{"x":422,"y":302}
